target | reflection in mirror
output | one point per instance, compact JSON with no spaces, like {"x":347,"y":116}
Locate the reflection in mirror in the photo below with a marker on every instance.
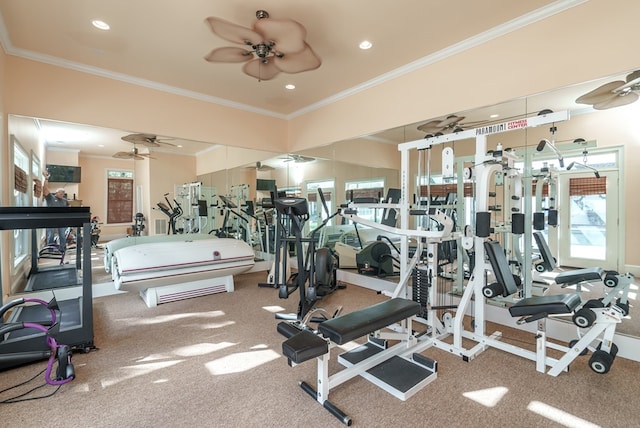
{"x":590,"y":144}
{"x":117,"y":173}
{"x":344,"y":170}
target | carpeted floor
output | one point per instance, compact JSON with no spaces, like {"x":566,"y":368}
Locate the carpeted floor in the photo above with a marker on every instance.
{"x":215,"y":361}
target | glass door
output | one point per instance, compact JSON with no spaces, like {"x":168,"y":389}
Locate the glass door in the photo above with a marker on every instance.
{"x":589,"y":226}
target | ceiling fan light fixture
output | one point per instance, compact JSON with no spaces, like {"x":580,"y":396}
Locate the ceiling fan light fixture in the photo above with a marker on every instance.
{"x":277,"y":45}
{"x":100,"y":25}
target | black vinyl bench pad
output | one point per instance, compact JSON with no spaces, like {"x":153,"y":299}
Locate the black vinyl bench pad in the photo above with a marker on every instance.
{"x":578,"y":275}
{"x":551,"y":304}
{"x":304,"y":346}
{"x":356,"y":324}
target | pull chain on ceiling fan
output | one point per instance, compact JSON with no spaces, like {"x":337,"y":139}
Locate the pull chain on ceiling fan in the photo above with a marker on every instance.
{"x":276,"y":45}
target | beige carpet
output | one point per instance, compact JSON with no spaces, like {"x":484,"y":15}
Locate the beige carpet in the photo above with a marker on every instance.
{"x":215,"y":361}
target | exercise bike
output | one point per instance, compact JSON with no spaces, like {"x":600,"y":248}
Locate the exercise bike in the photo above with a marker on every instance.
{"x":316,"y":267}
{"x":138,"y":224}
{"x":56,"y":353}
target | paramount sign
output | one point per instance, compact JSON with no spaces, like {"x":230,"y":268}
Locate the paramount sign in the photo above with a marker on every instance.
{"x":502,"y":127}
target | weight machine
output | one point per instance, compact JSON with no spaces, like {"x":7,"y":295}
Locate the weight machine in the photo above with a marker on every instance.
{"x":195,"y":200}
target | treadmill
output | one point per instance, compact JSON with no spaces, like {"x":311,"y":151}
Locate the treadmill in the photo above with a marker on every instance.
{"x":75,"y":299}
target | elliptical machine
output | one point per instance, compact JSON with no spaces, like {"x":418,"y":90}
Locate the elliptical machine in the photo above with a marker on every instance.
{"x":316,"y":268}
{"x":171,"y":211}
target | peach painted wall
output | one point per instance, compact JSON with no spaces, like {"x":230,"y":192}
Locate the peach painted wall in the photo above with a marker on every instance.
{"x":73,"y":96}
{"x":165,"y":171}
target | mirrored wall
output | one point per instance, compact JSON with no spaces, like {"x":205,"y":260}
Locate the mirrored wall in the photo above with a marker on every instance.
{"x":227,"y":191}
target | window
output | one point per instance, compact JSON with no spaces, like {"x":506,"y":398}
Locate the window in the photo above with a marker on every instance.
{"x":369,"y":191}
{"x":36,"y":174}
{"x":316,"y":211}
{"x":119,"y":196}
{"x":21,"y":198}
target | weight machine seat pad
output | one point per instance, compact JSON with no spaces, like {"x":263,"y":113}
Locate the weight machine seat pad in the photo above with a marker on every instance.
{"x":551,"y":304}
{"x":287,"y":329}
{"x":304,"y":346}
{"x":579,"y":275}
{"x":356,"y":324}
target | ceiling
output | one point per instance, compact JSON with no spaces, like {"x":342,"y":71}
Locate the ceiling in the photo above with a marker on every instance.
{"x":164,"y":46}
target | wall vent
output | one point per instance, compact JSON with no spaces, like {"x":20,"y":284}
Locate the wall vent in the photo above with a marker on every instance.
{"x":161,"y":226}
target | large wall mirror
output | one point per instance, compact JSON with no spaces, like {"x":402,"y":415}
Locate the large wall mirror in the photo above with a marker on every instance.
{"x":600,"y":139}
{"x":362,"y":167}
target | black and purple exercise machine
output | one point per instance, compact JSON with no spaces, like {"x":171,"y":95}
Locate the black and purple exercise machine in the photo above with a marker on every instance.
{"x":55,"y":352}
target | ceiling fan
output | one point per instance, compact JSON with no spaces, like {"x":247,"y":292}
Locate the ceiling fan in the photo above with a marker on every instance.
{"x":613,"y":94}
{"x":451,"y":123}
{"x":298,"y":158}
{"x":273,"y":46}
{"x":259,"y":166}
{"x":133,"y":154}
{"x":147,"y":140}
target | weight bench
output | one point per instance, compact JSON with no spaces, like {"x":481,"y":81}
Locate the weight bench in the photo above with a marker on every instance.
{"x":617,"y":283}
{"x":599,"y":320}
{"x":567,"y":278}
{"x":400,"y":369}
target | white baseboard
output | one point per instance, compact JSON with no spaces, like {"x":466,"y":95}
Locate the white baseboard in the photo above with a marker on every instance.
{"x":632,"y":269}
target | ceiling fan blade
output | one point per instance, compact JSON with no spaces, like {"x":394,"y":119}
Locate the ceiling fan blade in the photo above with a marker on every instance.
{"x":123,"y":155}
{"x":430,"y":127}
{"x":451,"y":120}
{"x":233,"y":32}
{"x":261,"y":71}
{"x":303,"y":159}
{"x":287,"y":34}
{"x":304,"y":60}
{"x":164,"y":143}
{"x":148,"y":140}
{"x":633,"y":77}
{"x":229,"y":54}
{"x":617,"y":101}
{"x":601,"y":93}
{"x":128,"y":155}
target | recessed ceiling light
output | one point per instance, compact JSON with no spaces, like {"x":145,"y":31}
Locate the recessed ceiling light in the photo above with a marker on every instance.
{"x":179,"y":145}
{"x":493,"y":116}
{"x":366,"y":44}
{"x":100,"y":145}
{"x":101,"y":25}
{"x":290,"y":86}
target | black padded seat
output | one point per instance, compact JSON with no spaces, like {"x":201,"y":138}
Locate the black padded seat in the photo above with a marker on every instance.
{"x":579,"y":275}
{"x":356,"y":324}
{"x":551,"y":304}
{"x":304,"y":346}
